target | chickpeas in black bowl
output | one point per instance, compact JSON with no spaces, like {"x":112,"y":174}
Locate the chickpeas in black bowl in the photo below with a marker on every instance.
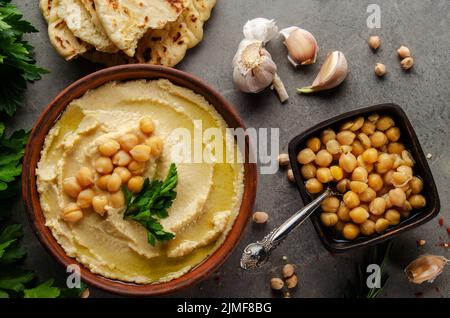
{"x":373,"y":158}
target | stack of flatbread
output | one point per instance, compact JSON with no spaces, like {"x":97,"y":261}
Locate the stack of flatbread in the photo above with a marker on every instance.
{"x":115,"y":32}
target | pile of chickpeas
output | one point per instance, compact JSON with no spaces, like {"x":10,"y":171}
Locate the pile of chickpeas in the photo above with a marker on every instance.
{"x":121,"y":161}
{"x":370,"y":167}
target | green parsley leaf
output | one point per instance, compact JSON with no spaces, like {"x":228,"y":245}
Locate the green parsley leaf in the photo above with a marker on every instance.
{"x":152,"y":204}
{"x":44,"y":290}
{"x":15,"y":280}
{"x":73,"y":292}
{"x":17,"y":65}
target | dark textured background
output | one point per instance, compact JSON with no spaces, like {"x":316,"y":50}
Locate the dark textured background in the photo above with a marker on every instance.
{"x":423,"y":93}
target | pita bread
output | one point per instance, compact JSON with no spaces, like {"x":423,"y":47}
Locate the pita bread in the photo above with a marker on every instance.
{"x":167,"y":46}
{"x":62,"y":39}
{"x":81,"y":19}
{"x":126,"y":21}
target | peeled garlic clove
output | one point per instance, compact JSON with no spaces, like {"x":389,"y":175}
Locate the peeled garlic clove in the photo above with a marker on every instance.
{"x":333,"y":72}
{"x":260,"y":29}
{"x":254,"y":69}
{"x":425,"y":268}
{"x":301,"y":44}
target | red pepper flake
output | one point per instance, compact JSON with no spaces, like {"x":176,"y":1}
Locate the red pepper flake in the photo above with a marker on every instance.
{"x":448,"y":230}
{"x":419,"y":295}
{"x":441,"y":221}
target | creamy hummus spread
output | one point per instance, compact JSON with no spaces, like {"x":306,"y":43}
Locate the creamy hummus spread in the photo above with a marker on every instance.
{"x":208,"y":197}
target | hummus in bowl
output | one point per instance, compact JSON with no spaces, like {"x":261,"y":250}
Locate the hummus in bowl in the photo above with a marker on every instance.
{"x":108,"y":138}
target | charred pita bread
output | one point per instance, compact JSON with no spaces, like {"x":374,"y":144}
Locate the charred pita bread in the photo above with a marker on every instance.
{"x":81,"y":19}
{"x":62,"y":39}
{"x":126,"y":21}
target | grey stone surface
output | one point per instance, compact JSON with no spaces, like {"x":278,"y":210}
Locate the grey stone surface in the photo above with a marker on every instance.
{"x":423,"y":93}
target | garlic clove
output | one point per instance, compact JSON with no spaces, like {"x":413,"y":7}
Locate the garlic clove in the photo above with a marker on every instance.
{"x":301,"y":44}
{"x":332,"y":73}
{"x":260,"y":29}
{"x":425,"y":268}
{"x":254,"y":69}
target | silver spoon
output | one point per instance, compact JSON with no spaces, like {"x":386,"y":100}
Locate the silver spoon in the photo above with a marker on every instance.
{"x":257,"y":254}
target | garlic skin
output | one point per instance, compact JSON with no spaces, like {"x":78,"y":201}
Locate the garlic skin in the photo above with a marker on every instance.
{"x":425,"y":268}
{"x":332,"y":73}
{"x":260,"y":29}
{"x":254,"y":69}
{"x":301,"y":44}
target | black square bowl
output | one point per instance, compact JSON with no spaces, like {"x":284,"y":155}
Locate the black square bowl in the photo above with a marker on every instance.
{"x":328,"y":236}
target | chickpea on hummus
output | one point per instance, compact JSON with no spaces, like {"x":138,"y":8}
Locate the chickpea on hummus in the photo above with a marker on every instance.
{"x":116,"y":136}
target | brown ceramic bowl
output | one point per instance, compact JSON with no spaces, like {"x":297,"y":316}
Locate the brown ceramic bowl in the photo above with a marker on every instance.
{"x":332,"y":240}
{"x":51,"y":114}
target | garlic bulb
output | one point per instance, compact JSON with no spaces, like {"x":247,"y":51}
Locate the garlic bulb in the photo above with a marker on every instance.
{"x":301,"y":44}
{"x":425,"y":268}
{"x":332,"y":73}
{"x":260,"y":29}
{"x":254,"y":69}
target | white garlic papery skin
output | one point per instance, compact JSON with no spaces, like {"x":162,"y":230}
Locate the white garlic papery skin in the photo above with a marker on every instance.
{"x":301,"y":44}
{"x":253,"y":67}
{"x":425,"y":268}
{"x":332,"y":73}
{"x":260,"y":29}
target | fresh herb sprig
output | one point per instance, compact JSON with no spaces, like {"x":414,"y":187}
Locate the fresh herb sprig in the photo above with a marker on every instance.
{"x":151,"y":205}
{"x":378,"y":254}
{"x":17,"y":65}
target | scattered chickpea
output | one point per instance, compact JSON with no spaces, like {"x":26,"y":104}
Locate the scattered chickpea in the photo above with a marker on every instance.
{"x":141,"y":153}
{"x":146,"y":125}
{"x":85,"y":177}
{"x":393,"y":216}
{"x":114,"y":182}
{"x":337,"y":173}
{"x":329,"y":219}
{"x":330,"y":204}
{"x":288,"y":270}
{"x":384,"y":123}
{"x":313,"y":186}
{"x":72,"y":213}
{"x":314,"y":144}
{"x":370,"y":155}
{"x":84,"y":199}
{"x":283,"y":159}
{"x":368,"y":195}
{"x":393,"y":134}
{"x":416,"y":185}
{"x":117,"y":199}
{"x":276,"y":283}
{"x":102,"y":182}
{"x":417,"y":201}
{"x":377,"y":206}
{"x":403,"y":52}
{"x":308,"y":171}
{"x":121,"y":158}
{"x":359,"y":174}
{"x":380,"y":69}
{"x":368,"y":128}
{"x":135,"y":184}
{"x":306,"y":156}
{"x":99,"y":203}
{"x":346,"y":137}
{"x":327,"y":135}
{"x":333,"y":146}
{"x":128,"y":141}
{"x":367,"y":228}
{"x":156,"y":144}
{"x":136,"y":167}
{"x":71,"y":187}
{"x":348,"y":162}
{"x":351,"y":199}
{"x":378,"y":139}
{"x":397,"y":197}
{"x":359,"y":215}
{"x":323,"y":158}
{"x":104,"y":165}
{"x":374,"y":42}
{"x":343,"y":185}
{"x":260,"y":217}
{"x":407,"y":63}
{"x":350,"y":231}
{"x":358,"y":186}
{"x":421,"y":242}
{"x":292,"y":282}
{"x":124,"y":174}
{"x":324,"y":175}
{"x":108,"y":147}
{"x":381,"y":225}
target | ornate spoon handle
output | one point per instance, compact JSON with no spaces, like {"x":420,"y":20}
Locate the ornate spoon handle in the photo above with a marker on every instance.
{"x":256,"y":254}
